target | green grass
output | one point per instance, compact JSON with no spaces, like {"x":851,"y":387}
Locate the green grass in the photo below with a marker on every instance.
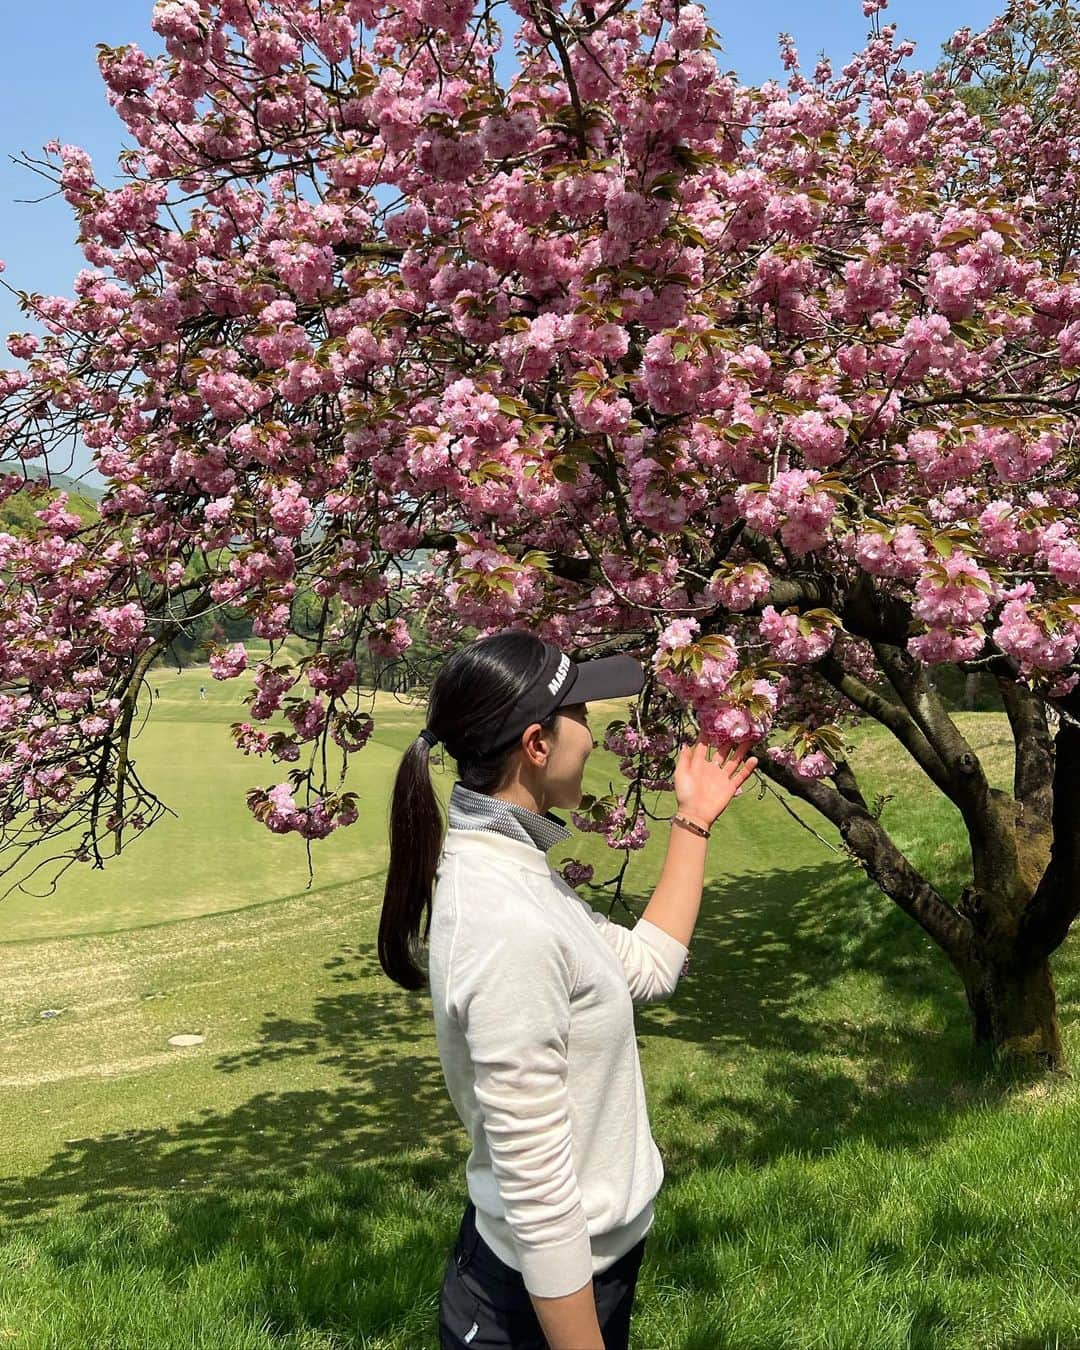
{"x":841,"y":1170}
{"x":211,"y":855}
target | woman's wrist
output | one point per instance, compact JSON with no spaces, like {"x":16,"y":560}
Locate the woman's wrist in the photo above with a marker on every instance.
{"x":698,"y":818}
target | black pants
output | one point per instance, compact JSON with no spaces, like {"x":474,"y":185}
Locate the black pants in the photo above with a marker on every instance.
{"x":485,"y":1305}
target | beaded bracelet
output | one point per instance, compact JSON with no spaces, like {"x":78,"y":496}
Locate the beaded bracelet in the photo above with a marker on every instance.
{"x":690,"y":825}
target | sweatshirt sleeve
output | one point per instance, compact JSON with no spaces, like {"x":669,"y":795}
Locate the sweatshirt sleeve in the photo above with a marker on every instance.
{"x":510,"y":990}
{"x":652,"y":959}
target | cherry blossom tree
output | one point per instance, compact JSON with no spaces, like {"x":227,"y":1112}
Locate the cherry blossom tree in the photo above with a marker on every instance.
{"x":773,"y":387}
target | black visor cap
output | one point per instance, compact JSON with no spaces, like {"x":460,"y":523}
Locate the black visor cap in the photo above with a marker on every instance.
{"x":562,"y":683}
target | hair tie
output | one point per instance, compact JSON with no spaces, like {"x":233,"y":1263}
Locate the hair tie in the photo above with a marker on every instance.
{"x":429,"y":736}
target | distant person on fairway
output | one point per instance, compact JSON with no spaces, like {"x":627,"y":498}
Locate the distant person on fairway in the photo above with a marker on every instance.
{"x":533,"y":991}
{"x":202,"y":690}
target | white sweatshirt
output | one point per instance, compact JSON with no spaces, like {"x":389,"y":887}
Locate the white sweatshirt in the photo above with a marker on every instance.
{"x":533,"y":994}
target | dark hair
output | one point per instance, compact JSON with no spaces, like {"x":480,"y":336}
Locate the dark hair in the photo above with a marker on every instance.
{"x":470,"y":697}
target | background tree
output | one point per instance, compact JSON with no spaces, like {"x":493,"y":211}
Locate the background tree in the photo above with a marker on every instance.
{"x":1018,"y":77}
{"x":774,"y":387}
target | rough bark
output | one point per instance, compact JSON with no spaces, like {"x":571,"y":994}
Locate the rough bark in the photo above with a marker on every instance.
{"x":891,"y":715}
{"x":1056,"y":902}
{"x":1033,"y":778}
{"x":1014,"y":1010}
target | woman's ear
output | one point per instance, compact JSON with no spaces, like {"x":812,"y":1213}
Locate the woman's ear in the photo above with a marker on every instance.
{"x":536,"y":742}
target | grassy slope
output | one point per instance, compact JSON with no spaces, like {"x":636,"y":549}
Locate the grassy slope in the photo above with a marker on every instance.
{"x":840,"y":1172}
{"x":212,"y":855}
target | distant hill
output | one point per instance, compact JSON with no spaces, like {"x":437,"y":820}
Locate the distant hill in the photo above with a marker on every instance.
{"x":62,"y":482}
{"x":17,"y":512}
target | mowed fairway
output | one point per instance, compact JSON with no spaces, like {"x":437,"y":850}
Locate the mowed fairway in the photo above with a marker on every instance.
{"x":842,"y":1172}
{"x":212,"y":855}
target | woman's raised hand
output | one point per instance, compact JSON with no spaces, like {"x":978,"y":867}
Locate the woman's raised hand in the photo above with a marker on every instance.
{"x":706,"y":780}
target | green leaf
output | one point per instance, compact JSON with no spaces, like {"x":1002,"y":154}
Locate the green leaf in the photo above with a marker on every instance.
{"x":823,"y":618}
{"x":961,"y":236}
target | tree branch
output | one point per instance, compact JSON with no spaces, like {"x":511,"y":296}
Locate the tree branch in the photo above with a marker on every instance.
{"x":864,"y":611}
{"x":871,"y":614}
{"x":848,"y":785}
{"x":869,"y":842}
{"x":1039,"y":401}
{"x":990,"y":815}
{"x":785,"y":593}
{"x":373,"y":249}
{"x":555,"y":37}
{"x":1056,"y":902}
{"x":891,"y":715}
{"x":1033,"y":776}
{"x":965,"y":779}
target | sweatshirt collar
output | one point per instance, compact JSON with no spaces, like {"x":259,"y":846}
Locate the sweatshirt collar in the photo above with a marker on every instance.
{"x":479,"y":811}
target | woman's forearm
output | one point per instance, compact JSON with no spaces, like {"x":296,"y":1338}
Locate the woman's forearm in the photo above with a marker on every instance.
{"x":570,"y":1322}
{"x":675,"y":902}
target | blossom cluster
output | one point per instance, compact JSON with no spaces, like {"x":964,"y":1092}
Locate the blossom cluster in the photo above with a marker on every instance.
{"x":611,"y":347}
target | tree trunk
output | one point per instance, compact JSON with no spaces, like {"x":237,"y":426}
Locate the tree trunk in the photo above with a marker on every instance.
{"x":1015,"y":1014}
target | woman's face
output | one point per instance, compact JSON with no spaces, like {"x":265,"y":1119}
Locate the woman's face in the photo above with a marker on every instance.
{"x":571,"y":746}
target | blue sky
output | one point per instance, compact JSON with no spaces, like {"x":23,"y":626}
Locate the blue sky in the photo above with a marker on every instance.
{"x":50,"y":87}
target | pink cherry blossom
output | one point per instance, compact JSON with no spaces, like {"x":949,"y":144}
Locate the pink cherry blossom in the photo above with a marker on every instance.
{"x":724,"y":374}
{"x":228,"y":664}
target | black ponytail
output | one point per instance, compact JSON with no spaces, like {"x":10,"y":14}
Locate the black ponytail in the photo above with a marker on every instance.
{"x":469,"y":698}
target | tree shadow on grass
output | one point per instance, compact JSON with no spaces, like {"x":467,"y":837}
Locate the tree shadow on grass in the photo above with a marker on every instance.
{"x":393,"y":1100}
{"x":766,"y":945}
{"x":343,"y":1201}
{"x":354,"y":1255}
{"x":852,"y":1022}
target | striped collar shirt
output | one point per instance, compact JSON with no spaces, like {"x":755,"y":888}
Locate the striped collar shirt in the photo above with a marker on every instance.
{"x":479,"y":811}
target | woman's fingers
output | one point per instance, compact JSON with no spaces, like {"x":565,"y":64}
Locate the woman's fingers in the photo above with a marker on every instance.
{"x":737,"y":754}
{"x":701,"y":747}
{"x":731,"y":761}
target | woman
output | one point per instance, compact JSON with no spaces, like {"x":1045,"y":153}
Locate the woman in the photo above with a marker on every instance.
{"x":533,"y":991}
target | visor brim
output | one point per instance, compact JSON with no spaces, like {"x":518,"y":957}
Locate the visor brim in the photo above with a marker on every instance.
{"x":604,"y":677}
